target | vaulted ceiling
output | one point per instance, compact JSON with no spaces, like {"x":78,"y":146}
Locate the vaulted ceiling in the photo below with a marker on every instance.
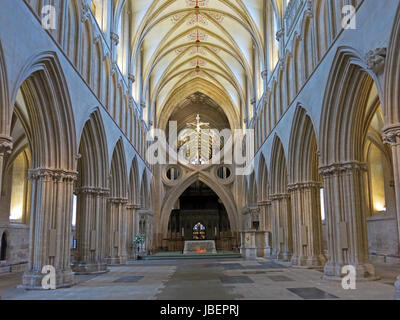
{"x":212,"y":46}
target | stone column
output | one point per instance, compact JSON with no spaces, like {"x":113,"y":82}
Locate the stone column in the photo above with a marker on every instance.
{"x":117,"y":231}
{"x":306,"y":225}
{"x":50,"y":229}
{"x":281,"y":227}
{"x":345,"y":207}
{"x":6,"y":147}
{"x":397,"y":286}
{"x":391,"y":136}
{"x":149,"y":232}
{"x":131,"y":229}
{"x":248,"y":247}
{"x":145,"y":216}
{"x":90,"y":230}
{"x":266,"y":225}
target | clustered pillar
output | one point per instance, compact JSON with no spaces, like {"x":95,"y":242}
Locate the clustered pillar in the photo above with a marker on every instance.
{"x":345,"y":207}
{"x":281,"y":224}
{"x":306,"y":225}
{"x":117,"y":231}
{"x":91,"y":230}
{"x":132,"y":230}
{"x":51,"y":211}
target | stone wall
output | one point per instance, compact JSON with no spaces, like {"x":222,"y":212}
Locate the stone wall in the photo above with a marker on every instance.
{"x":17,"y":247}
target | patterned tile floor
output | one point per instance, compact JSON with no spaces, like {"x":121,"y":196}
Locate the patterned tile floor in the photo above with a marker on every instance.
{"x":207,"y":279}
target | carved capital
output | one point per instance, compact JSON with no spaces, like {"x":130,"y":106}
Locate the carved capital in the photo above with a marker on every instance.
{"x":264,"y":74}
{"x":131,"y":78}
{"x":6,"y":145}
{"x":117,"y":200}
{"x":304,"y":185}
{"x":375,"y":60}
{"x":279,"y":196}
{"x":391,"y":135}
{"x":264,"y":203}
{"x":280,"y":33}
{"x":339,"y":168}
{"x":114,"y":38}
{"x":93,"y":191}
{"x":52,"y":174}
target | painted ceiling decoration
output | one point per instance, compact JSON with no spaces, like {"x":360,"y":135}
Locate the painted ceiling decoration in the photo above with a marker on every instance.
{"x":197,"y":45}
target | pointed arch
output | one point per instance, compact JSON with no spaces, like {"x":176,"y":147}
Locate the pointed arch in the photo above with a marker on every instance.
{"x":251,"y":190}
{"x":303,"y":154}
{"x":5,"y":116}
{"x":72,"y":31}
{"x":392,"y":76}
{"x":173,"y":195}
{"x":263,"y":187}
{"x":278,"y":174}
{"x":118,"y":183}
{"x":93,"y":164}
{"x":134,"y":191}
{"x":144,"y":191}
{"x":51,"y":131}
{"x":344,"y":118}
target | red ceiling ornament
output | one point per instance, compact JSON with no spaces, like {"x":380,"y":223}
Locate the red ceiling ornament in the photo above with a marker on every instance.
{"x":197,"y":36}
{"x":197,"y":4}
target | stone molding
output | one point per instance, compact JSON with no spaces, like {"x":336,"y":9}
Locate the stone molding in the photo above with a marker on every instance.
{"x":52,"y":174}
{"x":338,"y":168}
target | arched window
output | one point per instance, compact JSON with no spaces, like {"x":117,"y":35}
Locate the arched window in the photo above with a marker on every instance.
{"x":3,"y":249}
{"x":98,"y":10}
{"x":122,"y":48}
{"x":19,"y":187}
{"x":273,"y":43}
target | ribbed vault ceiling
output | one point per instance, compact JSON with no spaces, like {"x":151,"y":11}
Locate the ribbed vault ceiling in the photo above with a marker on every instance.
{"x":213,"y":41}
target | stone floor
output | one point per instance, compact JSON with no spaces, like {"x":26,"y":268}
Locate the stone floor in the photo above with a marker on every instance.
{"x":208,"y":280}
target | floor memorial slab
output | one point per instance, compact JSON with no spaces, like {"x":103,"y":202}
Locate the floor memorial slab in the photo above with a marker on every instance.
{"x":312,"y":293}
{"x":236,"y":279}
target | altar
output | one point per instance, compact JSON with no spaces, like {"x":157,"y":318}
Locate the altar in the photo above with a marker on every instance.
{"x":200,"y":247}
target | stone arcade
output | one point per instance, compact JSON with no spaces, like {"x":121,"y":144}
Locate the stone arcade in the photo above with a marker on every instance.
{"x":81,"y":103}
